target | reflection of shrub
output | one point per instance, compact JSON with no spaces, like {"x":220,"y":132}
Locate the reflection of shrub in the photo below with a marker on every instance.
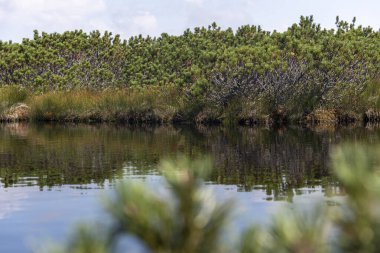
{"x":189,"y":221}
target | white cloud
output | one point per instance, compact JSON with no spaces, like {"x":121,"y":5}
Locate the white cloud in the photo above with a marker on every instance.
{"x":23,"y":16}
{"x":18,"y":18}
{"x":145,"y":23}
{"x":221,"y":12}
{"x":118,"y":16}
{"x":11,"y":202}
{"x":35,"y":11}
{"x":195,"y":2}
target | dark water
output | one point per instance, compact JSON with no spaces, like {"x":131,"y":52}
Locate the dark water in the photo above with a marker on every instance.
{"x":52,"y":175}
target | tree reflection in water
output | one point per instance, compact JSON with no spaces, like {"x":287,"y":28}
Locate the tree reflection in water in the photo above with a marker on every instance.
{"x":279,"y":161}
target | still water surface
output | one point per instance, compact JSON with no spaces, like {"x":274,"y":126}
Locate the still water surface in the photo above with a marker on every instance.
{"x":52,"y":176}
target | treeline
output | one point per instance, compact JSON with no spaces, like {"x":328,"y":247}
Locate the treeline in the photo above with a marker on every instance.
{"x":247,"y":75}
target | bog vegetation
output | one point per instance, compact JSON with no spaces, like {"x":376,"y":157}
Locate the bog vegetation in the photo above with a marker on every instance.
{"x":206,"y":75}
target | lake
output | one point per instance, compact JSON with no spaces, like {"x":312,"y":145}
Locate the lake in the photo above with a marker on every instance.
{"x":54,"y":175}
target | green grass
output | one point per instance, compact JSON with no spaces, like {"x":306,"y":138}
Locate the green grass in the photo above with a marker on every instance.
{"x":126,"y":105}
{"x":170,"y":103}
{"x":10,"y":95}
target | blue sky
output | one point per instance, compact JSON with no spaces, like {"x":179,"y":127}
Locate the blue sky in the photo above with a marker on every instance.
{"x":18,"y":18}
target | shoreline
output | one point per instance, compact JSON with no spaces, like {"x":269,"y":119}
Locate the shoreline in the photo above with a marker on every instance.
{"x":22,"y":113}
{"x":157,"y":105}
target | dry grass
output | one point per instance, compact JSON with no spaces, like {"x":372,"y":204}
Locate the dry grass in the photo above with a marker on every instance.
{"x":323,"y":116}
{"x":11,"y":106}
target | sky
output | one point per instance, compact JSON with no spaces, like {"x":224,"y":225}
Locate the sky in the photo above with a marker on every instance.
{"x":18,"y":18}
